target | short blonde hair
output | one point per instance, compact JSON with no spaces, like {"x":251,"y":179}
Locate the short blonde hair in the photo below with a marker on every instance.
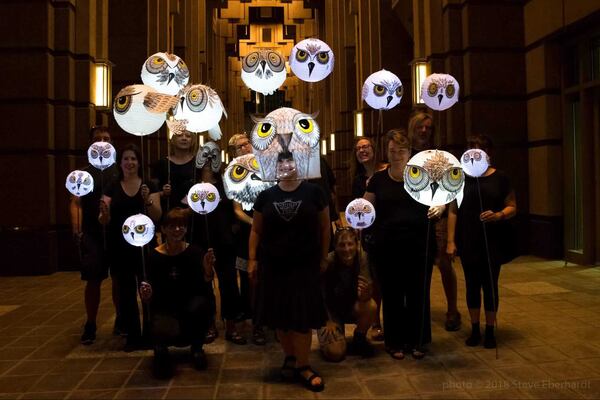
{"x":398,"y":136}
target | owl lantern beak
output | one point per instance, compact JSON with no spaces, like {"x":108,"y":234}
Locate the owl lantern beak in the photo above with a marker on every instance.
{"x":171,"y":76}
{"x":389,"y":100}
{"x":263,"y":64}
{"x":434,"y":187}
{"x":311,"y":66}
{"x":255,"y":177}
{"x":284,"y":140}
{"x":440,"y":98}
{"x":132,"y":236}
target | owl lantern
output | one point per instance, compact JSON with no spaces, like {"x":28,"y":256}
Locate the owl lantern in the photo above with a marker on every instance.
{"x":440,"y":91}
{"x":140,"y":110}
{"x":282,"y":130}
{"x":242,"y":181}
{"x":209,"y":153}
{"x":166,"y":73}
{"x":201,"y":107}
{"x":311,"y":60}
{"x":360,"y":213}
{"x":382,"y":90}
{"x":79,"y":183}
{"x":263,"y":71}
{"x":475,"y":162}
{"x":434,"y":178}
{"x":101,"y":155}
{"x":138,"y":230}
{"x":203,"y":198}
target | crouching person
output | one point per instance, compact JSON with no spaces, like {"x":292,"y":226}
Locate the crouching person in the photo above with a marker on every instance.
{"x":347,"y":291}
{"x":180,"y":294}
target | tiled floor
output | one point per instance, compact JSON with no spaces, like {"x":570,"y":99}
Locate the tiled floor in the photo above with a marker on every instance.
{"x":549,"y":347}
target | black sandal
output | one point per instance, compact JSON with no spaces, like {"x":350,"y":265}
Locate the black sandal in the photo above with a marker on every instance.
{"x":235,"y":338}
{"x":395,"y":354}
{"x":308,"y":382}
{"x":418,"y":354}
{"x":288,"y":369}
{"x":211,"y":335}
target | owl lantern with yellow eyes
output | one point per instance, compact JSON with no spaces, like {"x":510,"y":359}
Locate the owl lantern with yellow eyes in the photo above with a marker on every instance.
{"x":203,"y":198}
{"x":243,"y":181}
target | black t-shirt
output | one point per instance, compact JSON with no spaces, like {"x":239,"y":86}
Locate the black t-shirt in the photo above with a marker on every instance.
{"x":359,"y":186}
{"x":176,"y":279}
{"x":290,"y":224}
{"x":182,"y":179}
{"x":327,"y":184}
{"x":90,"y":203}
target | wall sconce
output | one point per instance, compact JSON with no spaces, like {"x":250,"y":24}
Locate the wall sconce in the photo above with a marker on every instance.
{"x":201,"y":139}
{"x":226,"y":158}
{"x":222,"y":156}
{"x":102,"y":85}
{"x":419,"y":70}
{"x":358,"y":123}
{"x":257,"y":98}
{"x":332,"y":142}
{"x":324,"y":147}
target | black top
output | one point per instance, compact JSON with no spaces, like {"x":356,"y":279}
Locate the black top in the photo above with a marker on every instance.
{"x":175,"y":279}
{"x":290,"y":223}
{"x":90,"y":203}
{"x":494,"y":188}
{"x":327,"y":184}
{"x":182,"y":179}
{"x":359,"y":186}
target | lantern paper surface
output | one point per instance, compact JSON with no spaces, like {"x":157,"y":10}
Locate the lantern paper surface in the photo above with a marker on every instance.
{"x":382,"y":90}
{"x":475,"y":162}
{"x":291,"y":130}
{"x":360,"y":213}
{"x":138,"y":230}
{"x":434,"y":178}
{"x":79,"y":183}
{"x":141,"y":110}
{"x":203,"y":198}
{"x":101,"y":155}
{"x":166,"y":73}
{"x":243,"y":182}
{"x":311,"y":60}
{"x":202,"y":108}
{"x":209,"y":153}
{"x":440,"y":91}
{"x":263,"y":71}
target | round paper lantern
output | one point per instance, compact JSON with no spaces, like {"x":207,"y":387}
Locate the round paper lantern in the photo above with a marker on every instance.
{"x":434,"y":178}
{"x":79,"y":183}
{"x":382,"y":90}
{"x":360,"y":213}
{"x":203,"y":198}
{"x":141,"y":110}
{"x":263,"y":71}
{"x":101,"y":155}
{"x":138,"y":230}
{"x":311,"y":60}
{"x":166,"y":73}
{"x":202,"y":109}
{"x":475,"y":162}
{"x":440,"y":91}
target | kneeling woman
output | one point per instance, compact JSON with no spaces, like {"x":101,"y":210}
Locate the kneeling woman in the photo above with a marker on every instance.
{"x":290,"y":234}
{"x":180,"y":293}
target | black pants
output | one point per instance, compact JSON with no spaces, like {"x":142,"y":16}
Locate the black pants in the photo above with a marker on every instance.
{"x":477,"y":278}
{"x":127,"y":308}
{"x":185,"y":324}
{"x":228,"y":287}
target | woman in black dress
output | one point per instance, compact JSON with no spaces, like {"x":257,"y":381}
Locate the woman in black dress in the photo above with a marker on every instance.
{"x":400,"y":251}
{"x":466,"y":232}
{"x":290,"y":237}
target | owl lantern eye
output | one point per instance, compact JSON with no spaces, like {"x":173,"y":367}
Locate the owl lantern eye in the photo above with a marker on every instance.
{"x":255,"y":164}
{"x":400,"y":91}
{"x":196,"y":100}
{"x":106,"y":153}
{"x":323,"y":57}
{"x":94,"y":154}
{"x":466,"y":157}
{"x":477,"y":156}
{"x":450,"y":91}
{"x":379,"y":90}
{"x":276,"y":62}
{"x":139,"y":229}
{"x":211,"y":197}
{"x":238,"y":173}
{"x":301,"y":55}
{"x":306,"y":125}
{"x":264,"y":129}
{"x":432,"y":89}
{"x":87,"y":181}
{"x":155,"y":64}
{"x":366,"y":208}
{"x":72,"y":179}
{"x":452,"y":179}
{"x":122,"y":104}
{"x":416,"y":178}
{"x":183,"y":68}
{"x":195,"y":197}
{"x":351,"y":210}
{"x":125,"y":229}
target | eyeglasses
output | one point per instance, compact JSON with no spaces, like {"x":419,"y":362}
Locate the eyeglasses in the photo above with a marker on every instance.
{"x":363,"y":147}
{"x":240,"y":146}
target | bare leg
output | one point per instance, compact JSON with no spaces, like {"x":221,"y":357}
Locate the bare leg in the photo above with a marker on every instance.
{"x":365,"y":312}
{"x":287,"y":343}
{"x":301,"y":343}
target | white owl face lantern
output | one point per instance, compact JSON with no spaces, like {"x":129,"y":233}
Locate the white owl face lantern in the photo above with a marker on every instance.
{"x":79,"y":183}
{"x":166,"y":73}
{"x":311,"y":60}
{"x":263,"y":71}
{"x":287,"y":129}
{"x":101,"y":155}
{"x":141,"y":110}
{"x":201,"y":108}
{"x":382,"y":90}
{"x":209,"y":153}
{"x":360,"y":213}
{"x":203,"y":198}
{"x":242,"y":181}
{"x":138,"y":230}
{"x":440,"y":91}
{"x":434,"y":178}
{"x":475,"y":162}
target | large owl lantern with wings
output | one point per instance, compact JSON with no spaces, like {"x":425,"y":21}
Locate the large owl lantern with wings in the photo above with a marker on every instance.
{"x":263,"y":71}
{"x":166,"y":73}
{"x":242,"y":181}
{"x":434,"y":178}
{"x":382,"y":90}
{"x":201,"y":108}
{"x":311,"y":60}
{"x":287,"y":129}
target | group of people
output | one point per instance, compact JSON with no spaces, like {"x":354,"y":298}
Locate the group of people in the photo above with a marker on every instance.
{"x":281,"y":264}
